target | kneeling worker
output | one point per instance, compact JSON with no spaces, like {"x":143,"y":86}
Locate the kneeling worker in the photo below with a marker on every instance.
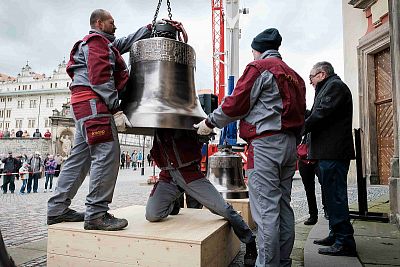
{"x":178,"y":154}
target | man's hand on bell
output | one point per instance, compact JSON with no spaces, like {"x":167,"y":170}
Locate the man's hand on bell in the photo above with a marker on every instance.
{"x":202,"y":128}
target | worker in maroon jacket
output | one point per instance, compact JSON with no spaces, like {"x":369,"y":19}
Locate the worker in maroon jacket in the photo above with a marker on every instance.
{"x":269,"y":99}
{"x":98,"y":74}
{"x":178,"y":154}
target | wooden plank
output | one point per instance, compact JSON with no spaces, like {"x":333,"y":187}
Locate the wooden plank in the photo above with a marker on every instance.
{"x":192,"y":238}
{"x":214,"y":251}
{"x":243,"y":205}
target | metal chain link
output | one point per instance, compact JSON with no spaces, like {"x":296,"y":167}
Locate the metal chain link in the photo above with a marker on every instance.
{"x":169,"y":10}
{"x":153,"y":23}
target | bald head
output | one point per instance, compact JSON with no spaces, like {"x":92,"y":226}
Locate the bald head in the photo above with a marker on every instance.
{"x":102,"y":20}
{"x":98,"y":14}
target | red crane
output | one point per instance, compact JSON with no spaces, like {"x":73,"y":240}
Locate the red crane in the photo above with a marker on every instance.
{"x":218,"y":41}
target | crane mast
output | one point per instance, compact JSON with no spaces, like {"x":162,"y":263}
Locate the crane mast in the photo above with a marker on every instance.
{"x":218,"y":41}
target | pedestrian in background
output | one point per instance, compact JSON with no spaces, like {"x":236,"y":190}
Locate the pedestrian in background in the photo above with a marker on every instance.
{"x":25,"y":134}
{"x":50,"y":169}
{"x":134,"y":158}
{"x":37,"y":134}
{"x":140,"y":159}
{"x":59,"y":160}
{"x":6,"y":133}
{"x":19,"y":133}
{"x":9,"y":173}
{"x":123,"y":158}
{"x":36,"y":169}
{"x":269,"y":99}
{"x":128,"y":160}
{"x":331,"y":143}
{"x":24,"y":175}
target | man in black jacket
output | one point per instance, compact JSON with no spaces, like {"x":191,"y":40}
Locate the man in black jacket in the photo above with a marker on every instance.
{"x":10,"y":164}
{"x":331,"y":143}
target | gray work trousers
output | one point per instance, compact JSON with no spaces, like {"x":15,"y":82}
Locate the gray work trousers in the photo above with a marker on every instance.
{"x":270,"y":185}
{"x":102,"y":159}
{"x":164,"y":194}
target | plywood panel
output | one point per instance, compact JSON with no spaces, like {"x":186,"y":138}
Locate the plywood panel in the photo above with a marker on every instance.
{"x":192,"y":238}
{"x":243,"y":205}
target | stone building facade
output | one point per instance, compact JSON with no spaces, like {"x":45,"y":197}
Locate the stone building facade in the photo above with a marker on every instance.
{"x":372,"y":70}
{"x":27,"y":101}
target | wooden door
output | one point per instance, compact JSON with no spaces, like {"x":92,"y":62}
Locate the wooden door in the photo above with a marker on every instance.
{"x":384,"y":113}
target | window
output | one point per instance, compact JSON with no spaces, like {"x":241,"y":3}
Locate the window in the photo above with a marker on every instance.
{"x":51,"y":85}
{"x":68,"y":99}
{"x":7,"y":124}
{"x":32,"y":103}
{"x":20,"y":104}
{"x":47,"y":123}
{"x":3,"y":99}
{"x":49,"y":102}
{"x":67,"y":84}
{"x":1,"y":113}
{"x":55,"y":85}
{"x":1,"y":125}
{"x":8,"y":113}
{"x":9,"y":99}
{"x":31,"y":123}
{"x":19,"y":87}
{"x":18,"y":123}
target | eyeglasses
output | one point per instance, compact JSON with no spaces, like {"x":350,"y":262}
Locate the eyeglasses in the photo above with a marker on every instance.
{"x":312,"y":76}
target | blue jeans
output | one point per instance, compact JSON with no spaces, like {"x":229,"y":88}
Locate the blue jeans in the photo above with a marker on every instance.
{"x":35,"y":177}
{"x":49,"y":178}
{"x":24,"y":183}
{"x":333,"y":174}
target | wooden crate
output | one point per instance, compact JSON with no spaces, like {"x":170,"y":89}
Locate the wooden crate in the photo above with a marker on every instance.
{"x":191,"y":238}
{"x":243,"y":205}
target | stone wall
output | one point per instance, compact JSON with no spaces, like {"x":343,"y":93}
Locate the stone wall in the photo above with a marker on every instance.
{"x":25,"y":146}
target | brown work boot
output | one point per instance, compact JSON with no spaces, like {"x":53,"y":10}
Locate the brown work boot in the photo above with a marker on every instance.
{"x":107,"y":222}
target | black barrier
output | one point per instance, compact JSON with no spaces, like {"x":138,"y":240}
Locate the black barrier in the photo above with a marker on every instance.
{"x":363,"y":213}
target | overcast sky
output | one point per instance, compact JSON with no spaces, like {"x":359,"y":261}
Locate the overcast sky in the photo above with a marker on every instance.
{"x":44,"y":31}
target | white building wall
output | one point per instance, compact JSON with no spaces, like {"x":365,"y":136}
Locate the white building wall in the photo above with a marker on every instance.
{"x":354,"y":27}
{"x":49,"y":93}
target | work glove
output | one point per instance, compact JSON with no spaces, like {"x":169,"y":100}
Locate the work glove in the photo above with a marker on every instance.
{"x":121,"y":121}
{"x":202,"y":128}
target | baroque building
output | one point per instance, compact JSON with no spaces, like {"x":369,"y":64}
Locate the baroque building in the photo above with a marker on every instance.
{"x":28,"y":100}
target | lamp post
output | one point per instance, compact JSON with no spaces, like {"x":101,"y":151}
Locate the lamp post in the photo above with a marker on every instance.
{"x":144,"y":142}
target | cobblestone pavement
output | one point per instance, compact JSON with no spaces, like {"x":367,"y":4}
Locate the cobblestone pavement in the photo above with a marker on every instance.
{"x":23,"y":217}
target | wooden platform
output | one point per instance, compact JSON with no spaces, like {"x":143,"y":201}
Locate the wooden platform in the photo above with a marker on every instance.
{"x":191,"y":238}
{"x":243,"y":205}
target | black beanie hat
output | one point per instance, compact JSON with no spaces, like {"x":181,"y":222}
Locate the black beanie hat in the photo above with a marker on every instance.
{"x":268,"y":39}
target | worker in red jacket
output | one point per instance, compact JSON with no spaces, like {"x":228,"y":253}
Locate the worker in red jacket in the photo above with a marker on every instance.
{"x":99,"y":74}
{"x":269,"y":100}
{"x":178,"y":154}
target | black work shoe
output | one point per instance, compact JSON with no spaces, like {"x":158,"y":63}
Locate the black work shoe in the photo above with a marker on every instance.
{"x":311,"y":221}
{"x":177,"y":207}
{"x":251,"y":254}
{"x":327,"y":241}
{"x":338,"y":250}
{"x":107,"y":222}
{"x":69,"y":216}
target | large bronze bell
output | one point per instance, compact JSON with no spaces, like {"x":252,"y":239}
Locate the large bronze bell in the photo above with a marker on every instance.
{"x":225,"y":172}
{"x":162,"y":92}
